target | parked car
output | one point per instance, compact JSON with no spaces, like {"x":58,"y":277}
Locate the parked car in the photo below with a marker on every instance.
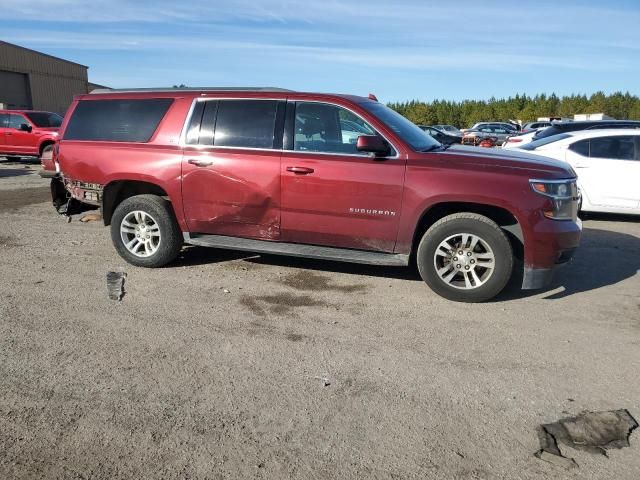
{"x":269,"y":171}
{"x":563,"y":127}
{"x":441,"y":136}
{"x":607,"y":162}
{"x":533,"y":126}
{"x":475,"y":137}
{"x":450,"y":129}
{"x":519,"y":139}
{"x":490,"y":130}
{"x":503,"y":125}
{"x":28,"y":133}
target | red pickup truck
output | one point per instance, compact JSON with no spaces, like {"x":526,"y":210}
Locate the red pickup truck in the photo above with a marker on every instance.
{"x":28,"y":133}
{"x":326,"y":176}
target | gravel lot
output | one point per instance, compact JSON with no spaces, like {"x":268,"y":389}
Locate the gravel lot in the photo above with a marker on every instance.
{"x":228,"y":365}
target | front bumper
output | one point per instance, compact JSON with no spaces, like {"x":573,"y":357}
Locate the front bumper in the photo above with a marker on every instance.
{"x":44,"y":173}
{"x":536,"y":278}
{"x":554,"y":245}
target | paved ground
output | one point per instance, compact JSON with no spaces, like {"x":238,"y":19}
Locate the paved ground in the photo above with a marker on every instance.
{"x":184,"y":380}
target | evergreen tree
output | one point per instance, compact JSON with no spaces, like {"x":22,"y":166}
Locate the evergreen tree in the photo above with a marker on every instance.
{"x":521,"y":107}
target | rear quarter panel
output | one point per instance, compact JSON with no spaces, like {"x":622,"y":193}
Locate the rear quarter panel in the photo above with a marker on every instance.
{"x":158,"y":161}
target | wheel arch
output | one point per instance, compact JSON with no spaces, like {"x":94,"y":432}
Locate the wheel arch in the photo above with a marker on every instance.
{"x":116,"y":191}
{"x":503,"y":217}
{"x":44,"y":144}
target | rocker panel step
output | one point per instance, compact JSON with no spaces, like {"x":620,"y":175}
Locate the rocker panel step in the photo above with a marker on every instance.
{"x":297,"y":250}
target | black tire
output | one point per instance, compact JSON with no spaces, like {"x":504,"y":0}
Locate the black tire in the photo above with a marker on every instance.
{"x":161,"y":212}
{"x":490,"y":233}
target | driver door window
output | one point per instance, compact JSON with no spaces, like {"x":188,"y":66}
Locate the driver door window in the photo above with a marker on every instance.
{"x":15,"y":121}
{"x":328,"y":128}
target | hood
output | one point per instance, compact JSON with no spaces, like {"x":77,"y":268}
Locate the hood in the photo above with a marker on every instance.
{"x":494,"y":158}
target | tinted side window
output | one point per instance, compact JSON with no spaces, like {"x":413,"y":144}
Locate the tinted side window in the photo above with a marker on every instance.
{"x":193,"y":130}
{"x":617,"y":148}
{"x":320,"y":127}
{"x":116,"y":120}
{"x":581,"y":148}
{"x":244,"y":123}
{"x":16,"y":120}
{"x":44,"y":119}
{"x":3,"y":120}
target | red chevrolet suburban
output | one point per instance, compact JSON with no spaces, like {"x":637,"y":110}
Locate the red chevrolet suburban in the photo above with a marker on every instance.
{"x":322,"y":176}
{"x":28,"y":133}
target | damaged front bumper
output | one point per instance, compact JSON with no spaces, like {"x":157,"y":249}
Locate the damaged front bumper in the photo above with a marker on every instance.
{"x":537,"y":278}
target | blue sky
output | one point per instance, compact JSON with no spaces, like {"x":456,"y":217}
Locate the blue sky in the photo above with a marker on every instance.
{"x":399,"y":50}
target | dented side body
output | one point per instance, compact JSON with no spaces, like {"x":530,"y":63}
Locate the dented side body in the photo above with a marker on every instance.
{"x":347,"y":201}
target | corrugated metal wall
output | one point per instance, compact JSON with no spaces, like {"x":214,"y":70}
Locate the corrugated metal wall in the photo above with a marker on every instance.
{"x":53,"y":82}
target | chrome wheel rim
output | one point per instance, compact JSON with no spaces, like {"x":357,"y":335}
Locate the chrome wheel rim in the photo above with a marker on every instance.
{"x":140,"y":233}
{"x":464,"y":261}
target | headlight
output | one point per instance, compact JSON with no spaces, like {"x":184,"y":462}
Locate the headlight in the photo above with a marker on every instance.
{"x":563,"y":196}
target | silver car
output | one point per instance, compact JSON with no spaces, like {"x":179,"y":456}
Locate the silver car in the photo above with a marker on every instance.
{"x":495,"y":130}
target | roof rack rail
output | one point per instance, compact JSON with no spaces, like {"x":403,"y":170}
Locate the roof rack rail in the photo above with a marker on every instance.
{"x":190,"y":89}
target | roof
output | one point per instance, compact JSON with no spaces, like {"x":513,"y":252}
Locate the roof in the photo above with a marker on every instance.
{"x":13,"y":110}
{"x":189,"y":89}
{"x":593,"y":122}
{"x":40,"y":53}
{"x":167,"y":92}
{"x":597,"y":132}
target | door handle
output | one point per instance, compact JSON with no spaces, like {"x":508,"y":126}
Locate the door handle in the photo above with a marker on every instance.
{"x":200,"y":163}
{"x":300,"y":170}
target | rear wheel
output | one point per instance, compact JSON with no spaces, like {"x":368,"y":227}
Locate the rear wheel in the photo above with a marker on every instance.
{"x":144,"y":231}
{"x":465,"y":257}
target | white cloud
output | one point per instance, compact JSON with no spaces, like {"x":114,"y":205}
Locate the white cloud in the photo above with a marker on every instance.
{"x":275,"y":39}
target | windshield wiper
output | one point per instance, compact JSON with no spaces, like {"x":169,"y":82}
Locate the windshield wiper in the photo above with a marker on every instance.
{"x":430,"y":148}
{"x":436,"y":147}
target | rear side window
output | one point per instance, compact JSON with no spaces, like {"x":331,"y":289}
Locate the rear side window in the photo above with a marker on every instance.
{"x":616,"y":148}
{"x":4,"y":119}
{"x":116,"y":120}
{"x":244,"y":123}
{"x":581,"y":147}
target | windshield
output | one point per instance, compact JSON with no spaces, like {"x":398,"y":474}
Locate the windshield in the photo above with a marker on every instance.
{"x":544,"y":141}
{"x":44,"y":119}
{"x":418,"y":139}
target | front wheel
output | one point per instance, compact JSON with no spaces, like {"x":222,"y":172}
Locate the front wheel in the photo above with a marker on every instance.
{"x":144,"y":231}
{"x":465,"y":257}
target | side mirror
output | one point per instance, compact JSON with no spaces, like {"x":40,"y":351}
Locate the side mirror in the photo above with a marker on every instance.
{"x":373,"y":144}
{"x":25,"y":127}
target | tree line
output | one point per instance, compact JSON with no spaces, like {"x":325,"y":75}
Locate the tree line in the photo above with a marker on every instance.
{"x":465,"y":113}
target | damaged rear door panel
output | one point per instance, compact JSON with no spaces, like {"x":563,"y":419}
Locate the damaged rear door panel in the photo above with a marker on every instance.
{"x":231,"y":168}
